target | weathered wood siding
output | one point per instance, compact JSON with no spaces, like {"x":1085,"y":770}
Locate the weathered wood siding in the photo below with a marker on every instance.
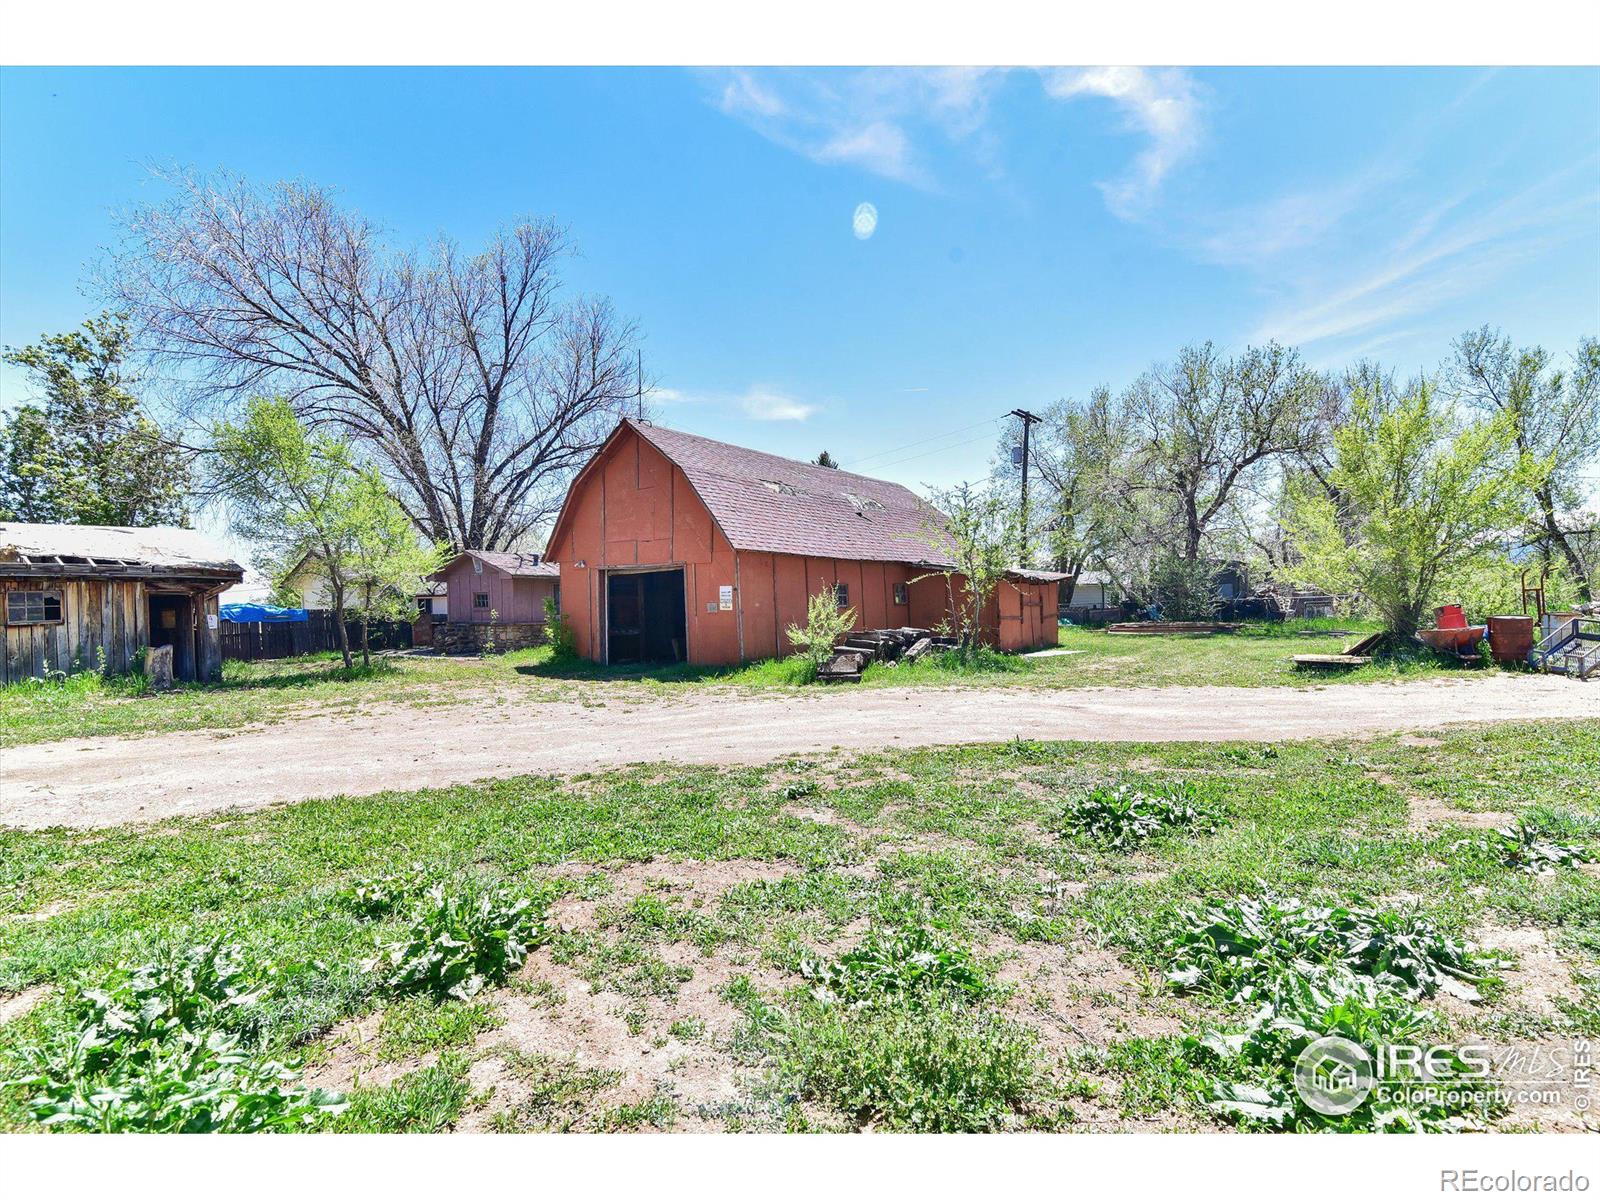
{"x":96,"y":615}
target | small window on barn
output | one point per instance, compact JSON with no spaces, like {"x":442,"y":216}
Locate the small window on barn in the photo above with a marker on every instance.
{"x":902,"y":593}
{"x":480,"y":599}
{"x":33,"y":608}
{"x":424,"y":605}
{"x":841,"y":595}
{"x":477,"y":566}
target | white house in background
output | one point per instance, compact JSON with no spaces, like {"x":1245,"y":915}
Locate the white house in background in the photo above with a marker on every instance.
{"x":1095,"y":598}
{"x":309,"y":581}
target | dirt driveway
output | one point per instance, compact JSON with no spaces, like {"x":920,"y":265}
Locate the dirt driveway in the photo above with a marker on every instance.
{"x":110,"y":781}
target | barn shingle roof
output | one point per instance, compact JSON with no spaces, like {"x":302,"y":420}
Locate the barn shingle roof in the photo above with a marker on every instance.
{"x":767,"y":503}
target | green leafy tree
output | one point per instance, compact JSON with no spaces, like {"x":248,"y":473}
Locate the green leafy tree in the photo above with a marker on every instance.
{"x":88,"y":454}
{"x":1185,"y":588}
{"x":826,"y":460}
{"x":299,"y":494}
{"x":1422,"y":496}
{"x":1554,"y":416}
{"x":386,"y":559}
{"x":980,"y":531}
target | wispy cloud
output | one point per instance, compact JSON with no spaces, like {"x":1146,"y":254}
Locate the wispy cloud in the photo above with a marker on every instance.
{"x":1438,"y":253}
{"x":1162,"y":104}
{"x":889,"y":121}
{"x":765,"y":404}
{"x":759,"y":402}
{"x":872,"y":119}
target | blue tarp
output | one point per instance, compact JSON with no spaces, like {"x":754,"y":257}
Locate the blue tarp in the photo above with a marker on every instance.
{"x":246,"y":614}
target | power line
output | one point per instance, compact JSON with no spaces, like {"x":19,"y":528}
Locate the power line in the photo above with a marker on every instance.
{"x":941,"y":449}
{"x":921,"y":442}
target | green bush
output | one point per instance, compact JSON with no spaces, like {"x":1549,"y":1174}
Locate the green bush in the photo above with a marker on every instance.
{"x":1122,"y":817}
{"x":160,"y":1050}
{"x":459,"y":939}
{"x":826,"y":625}
{"x":558,"y":632}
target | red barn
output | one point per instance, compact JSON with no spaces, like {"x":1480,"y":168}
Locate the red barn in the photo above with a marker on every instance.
{"x":674,"y":547}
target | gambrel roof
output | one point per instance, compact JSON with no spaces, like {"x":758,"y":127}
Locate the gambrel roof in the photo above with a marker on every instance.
{"x":766,"y":503}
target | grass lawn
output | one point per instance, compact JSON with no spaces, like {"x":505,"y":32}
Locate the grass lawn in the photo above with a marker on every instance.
{"x":250,"y":693}
{"x":961,"y":939}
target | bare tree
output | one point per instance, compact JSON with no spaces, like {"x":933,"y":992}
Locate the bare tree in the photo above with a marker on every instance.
{"x":466,"y":376}
{"x":1555,"y":416}
{"x":1206,"y":425}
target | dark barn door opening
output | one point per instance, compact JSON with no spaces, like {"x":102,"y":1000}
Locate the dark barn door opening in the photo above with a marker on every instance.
{"x":172,"y":624}
{"x":645,"y":617}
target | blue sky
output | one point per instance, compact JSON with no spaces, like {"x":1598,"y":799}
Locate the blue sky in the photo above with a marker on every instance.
{"x":1037,"y":232}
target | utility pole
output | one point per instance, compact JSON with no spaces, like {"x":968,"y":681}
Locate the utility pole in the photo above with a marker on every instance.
{"x":638,"y":381}
{"x":1028,"y":422}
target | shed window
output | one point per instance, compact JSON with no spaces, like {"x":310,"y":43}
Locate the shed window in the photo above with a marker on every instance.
{"x":424,"y":605}
{"x":902,"y":593}
{"x":33,"y":608}
{"x":480,"y":599}
{"x":841,"y":595}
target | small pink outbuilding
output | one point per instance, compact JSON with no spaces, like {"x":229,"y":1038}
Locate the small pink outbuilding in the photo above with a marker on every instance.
{"x":494,"y":595}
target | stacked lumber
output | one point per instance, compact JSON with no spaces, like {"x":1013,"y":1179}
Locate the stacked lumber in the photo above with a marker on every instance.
{"x":853,"y":654}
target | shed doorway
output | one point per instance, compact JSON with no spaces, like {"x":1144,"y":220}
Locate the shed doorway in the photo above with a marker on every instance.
{"x":172,"y":624}
{"x":645,"y":616}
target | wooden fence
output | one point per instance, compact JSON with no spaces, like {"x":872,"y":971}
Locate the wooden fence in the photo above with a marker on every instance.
{"x":285,"y":639}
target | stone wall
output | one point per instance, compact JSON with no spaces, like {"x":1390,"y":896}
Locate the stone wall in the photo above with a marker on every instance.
{"x":470,"y":637}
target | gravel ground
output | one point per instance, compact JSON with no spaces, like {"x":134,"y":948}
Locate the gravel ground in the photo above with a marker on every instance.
{"x":111,"y":781}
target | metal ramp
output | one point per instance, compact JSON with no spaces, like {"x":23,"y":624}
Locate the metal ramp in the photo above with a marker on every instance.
{"x":1572,"y":648}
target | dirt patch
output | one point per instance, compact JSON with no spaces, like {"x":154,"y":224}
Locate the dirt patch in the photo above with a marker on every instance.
{"x":1541,"y":976}
{"x":22,"y":1003}
{"x":1080,"y":996}
{"x":693,"y":881}
{"x":87,"y":782}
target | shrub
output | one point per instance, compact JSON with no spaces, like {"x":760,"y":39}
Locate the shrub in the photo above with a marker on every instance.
{"x":558,"y":632}
{"x":1186,"y":588}
{"x":1121,"y":817}
{"x":826,"y":623}
{"x":1243,"y":948}
{"x":157,"y":1051}
{"x":459,"y":939}
{"x":1252,"y":1077}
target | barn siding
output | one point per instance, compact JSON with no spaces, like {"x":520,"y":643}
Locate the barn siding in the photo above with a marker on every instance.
{"x":636,"y":509}
{"x":97,"y":615}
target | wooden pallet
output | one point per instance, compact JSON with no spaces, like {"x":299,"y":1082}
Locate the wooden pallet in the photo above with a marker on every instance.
{"x":1331,"y":660}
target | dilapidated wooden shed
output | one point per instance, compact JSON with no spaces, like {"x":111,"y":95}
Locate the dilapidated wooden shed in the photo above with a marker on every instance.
{"x":78,"y":597}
